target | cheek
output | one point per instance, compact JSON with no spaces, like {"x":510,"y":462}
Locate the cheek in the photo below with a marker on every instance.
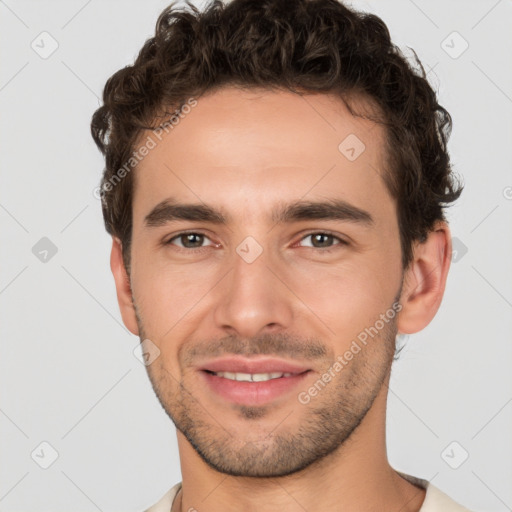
{"x":166,"y":295}
{"x":338,"y":299}
{"x":349,"y":297}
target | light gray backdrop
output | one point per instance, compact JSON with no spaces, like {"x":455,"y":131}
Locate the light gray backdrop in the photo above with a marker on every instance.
{"x":69,"y":377}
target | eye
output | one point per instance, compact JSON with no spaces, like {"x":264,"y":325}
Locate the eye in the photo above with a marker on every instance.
{"x":189,"y":240}
{"x":322,"y":240}
{"x":192,"y":240}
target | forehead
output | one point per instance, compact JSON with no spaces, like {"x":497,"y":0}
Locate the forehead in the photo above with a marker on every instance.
{"x":248,"y":149}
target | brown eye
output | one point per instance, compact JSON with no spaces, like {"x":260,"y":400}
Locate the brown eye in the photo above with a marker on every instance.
{"x":189,"y":240}
{"x":322,"y":240}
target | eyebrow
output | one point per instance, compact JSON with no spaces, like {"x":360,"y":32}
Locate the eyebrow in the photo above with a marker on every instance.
{"x":170,"y":210}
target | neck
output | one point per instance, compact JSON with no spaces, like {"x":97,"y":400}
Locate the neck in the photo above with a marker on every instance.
{"x":356,"y":476}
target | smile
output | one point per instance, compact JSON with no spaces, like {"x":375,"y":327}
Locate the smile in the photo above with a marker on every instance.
{"x":252,"y":377}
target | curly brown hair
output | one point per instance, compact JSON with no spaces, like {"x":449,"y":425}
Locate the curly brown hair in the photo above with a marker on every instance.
{"x":297,"y":45}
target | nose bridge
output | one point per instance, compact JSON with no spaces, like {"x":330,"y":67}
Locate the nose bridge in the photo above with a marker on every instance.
{"x":251,"y":298}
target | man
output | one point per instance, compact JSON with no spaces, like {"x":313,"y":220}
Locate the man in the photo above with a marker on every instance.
{"x":275,"y":179}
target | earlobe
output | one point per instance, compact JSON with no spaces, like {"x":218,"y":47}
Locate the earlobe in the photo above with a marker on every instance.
{"x":425,"y":280}
{"x":123,"y":288}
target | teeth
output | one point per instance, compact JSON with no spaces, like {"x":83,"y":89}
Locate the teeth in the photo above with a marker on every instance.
{"x":252,"y":377}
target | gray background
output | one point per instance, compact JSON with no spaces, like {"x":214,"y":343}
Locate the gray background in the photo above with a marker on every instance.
{"x":68,"y":372}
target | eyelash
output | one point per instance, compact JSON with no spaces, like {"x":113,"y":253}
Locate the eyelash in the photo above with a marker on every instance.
{"x":328,"y":250}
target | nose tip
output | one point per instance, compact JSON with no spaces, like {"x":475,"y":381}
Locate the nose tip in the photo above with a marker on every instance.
{"x":250,"y":328}
{"x":251,"y":316}
{"x":251,"y":301}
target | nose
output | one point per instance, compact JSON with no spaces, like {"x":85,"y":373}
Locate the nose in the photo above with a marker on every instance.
{"x":253,"y":299}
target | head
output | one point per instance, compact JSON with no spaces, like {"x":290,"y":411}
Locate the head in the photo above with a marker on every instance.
{"x":275,"y":184}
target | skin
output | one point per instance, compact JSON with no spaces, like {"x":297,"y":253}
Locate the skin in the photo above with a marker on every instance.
{"x":244,"y":153}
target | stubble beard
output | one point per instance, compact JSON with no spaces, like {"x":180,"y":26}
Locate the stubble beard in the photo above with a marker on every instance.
{"x":322,"y":426}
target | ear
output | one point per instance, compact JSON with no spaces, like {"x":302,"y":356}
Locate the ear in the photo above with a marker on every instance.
{"x":123,"y":288}
{"x":425,"y":280}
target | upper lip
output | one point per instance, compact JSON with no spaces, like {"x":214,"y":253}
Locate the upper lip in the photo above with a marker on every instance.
{"x":261,"y":365}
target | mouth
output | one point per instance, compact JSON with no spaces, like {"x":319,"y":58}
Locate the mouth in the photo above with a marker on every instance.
{"x":251,"y":377}
{"x":251,"y":382}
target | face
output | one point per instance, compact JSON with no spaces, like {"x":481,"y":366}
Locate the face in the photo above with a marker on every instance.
{"x":262,"y":250}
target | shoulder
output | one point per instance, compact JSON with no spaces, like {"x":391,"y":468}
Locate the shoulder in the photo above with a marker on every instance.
{"x":164,"y":504}
{"x":435,"y":499}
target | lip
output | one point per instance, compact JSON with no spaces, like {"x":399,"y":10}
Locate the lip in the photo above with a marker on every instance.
{"x":261,"y":365}
{"x":252,"y":393}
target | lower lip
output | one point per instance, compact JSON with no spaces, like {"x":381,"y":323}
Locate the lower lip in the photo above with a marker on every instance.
{"x":252,"y":393}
